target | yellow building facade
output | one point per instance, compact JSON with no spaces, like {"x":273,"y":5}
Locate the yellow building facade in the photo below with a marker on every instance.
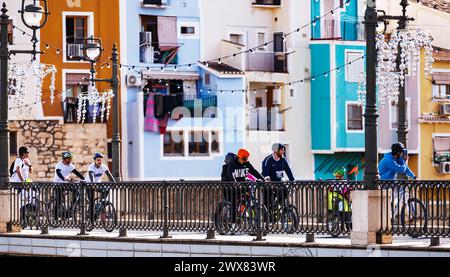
{"x":435,"y":118}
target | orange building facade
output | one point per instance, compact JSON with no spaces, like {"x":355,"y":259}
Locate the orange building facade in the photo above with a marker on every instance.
{"x":62,"y":41}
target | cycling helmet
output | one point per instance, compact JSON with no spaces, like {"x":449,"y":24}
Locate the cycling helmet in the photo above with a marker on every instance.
{"x":98,"y":155}
{"x":339,"y":173}
{"x":67,"y":155}
{"x":278,"y":146}
{"x":397,"y":147}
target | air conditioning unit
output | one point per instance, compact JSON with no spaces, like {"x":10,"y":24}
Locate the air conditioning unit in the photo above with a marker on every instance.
{"x":155,"y":2}
{"x":134,"y":80}
{"x":444,"y":168}
{"x":444,"y":109}
{"x":145,"y":39}
{"x":277,"y":96}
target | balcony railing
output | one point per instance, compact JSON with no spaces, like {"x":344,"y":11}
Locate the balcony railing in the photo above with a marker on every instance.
{"x":266,"y":119}
{"x":339,"y":30}
{"x":74,"y":51}
{"x":267,"y":62}
{"x":267,"y":3}
{"x":159,"y":53}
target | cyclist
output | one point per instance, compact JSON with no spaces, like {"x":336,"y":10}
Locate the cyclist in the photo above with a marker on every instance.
{"x":239,"y":169}
{"x":22,"y":167}
{"x":97,"y":169}
{"x":63,"y":169}
{"x":395,"y":162}
{"x":273,"y":168}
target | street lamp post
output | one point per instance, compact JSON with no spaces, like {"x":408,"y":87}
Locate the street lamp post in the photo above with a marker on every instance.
{"x":92,"y":52}
{"x":371,"y":175}
{"x":34,"y":17}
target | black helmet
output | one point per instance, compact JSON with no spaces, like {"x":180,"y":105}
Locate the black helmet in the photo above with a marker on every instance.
{"x":98,"y":155}
{"x":278,"y":146}
{"x":229,"y":157}
{"x":23,"y":150}
{"x":397,"y":147}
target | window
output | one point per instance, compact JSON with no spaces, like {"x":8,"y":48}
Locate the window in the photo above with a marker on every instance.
{"x":192,"y":144}
{"x":441,"y":148}
{"x":215,"y":142}
{"x":355,"y":65}
{"x":394,"y":114}
{"x":187,"y":30}
{"x":207,"y":79}
{"x":354,"y":117}
{"x":441,"y":91}
{"x":198,"y":144}
{"x":76,"y":31}
{"x":13,"y":143}
{"x":174,"y":144}
{"x":261,"y":41}
{"x":236,"y":38}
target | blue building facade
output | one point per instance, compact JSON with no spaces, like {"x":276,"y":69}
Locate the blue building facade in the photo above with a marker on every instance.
{"x":202,"y":116}
{"x":337,"y":124}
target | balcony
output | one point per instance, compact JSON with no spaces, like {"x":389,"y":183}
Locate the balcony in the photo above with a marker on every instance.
{"x":266,"y":119}
{"x":74,"y":51}
{"x":71,"y":111}
{"x":339,"y":30}
{"x":267,"y":62}
{"x":158,"y":4}
{"x":157,"y":53}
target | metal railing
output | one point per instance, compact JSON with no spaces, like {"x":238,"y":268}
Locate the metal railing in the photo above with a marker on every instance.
{"x":339,"y":30}
{"x":267,"y":62}
{"x":196,"y":104}
{"x":415,"y":208}
{"x":316,"y":207}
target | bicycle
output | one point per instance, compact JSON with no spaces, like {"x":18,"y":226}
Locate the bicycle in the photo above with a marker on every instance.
{"x":31,"y":213}
{"x":104,"y":212}
{"x":283,"y":211}
{"x":248,"y":212}
{"x":339,"y":218}
{"x":413,"y":213}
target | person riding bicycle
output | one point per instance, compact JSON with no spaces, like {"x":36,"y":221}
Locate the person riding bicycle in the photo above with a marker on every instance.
{"x":273,"y":168}
{"x":395,"y":162}
{"x":94,"y":175}
{"x":63,"y":169}
{"x":238,"y":170}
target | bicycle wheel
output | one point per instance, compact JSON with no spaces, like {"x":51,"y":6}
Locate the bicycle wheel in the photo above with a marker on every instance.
{"x":108,"y":216}
{"x":414,"y":215}
{"x":254,"y":219}
{"x":334,"y":224}
{"x":289,"y":219}
{"x":223,"y":218}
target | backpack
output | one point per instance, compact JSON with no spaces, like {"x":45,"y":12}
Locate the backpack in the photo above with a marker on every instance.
{"x":11,"y":168}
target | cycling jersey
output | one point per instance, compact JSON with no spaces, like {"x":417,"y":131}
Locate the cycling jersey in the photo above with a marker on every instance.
{"x":97,"y":171}
{"x":275,"y":168}
{"x":65,"y":171}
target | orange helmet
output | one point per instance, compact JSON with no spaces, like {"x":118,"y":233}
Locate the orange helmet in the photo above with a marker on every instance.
{"x":243,"y":154}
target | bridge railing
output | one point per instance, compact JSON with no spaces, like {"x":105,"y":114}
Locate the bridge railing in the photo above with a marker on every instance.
{"x":301,"y":207}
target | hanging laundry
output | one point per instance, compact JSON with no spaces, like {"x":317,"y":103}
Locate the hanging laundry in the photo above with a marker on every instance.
{"x":163,"y":124}
{"x":159,"y":106}
{"x":151,"y":123}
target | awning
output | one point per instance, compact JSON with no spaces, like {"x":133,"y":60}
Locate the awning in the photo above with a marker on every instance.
{"x":184,"y":76}
{"x":441,"y":78}
{"x":327,"y":164}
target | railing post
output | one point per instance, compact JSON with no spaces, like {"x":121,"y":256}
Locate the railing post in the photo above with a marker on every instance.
{"x":83,"y":210}
{"x":259,"y":231}
{"x":310,"y":238}
{"x":44,"y":230}
{"x":166,"y":213}
{"x":435,"y":241}
{"x":210,"y":234}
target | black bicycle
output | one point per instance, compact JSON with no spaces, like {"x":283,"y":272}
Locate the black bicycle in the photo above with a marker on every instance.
{"x":32,"y":210}
{"x":282,"y":211}
{"x":413,"y":213}
{"x":104,"y":212}
{"x":249,"y":214}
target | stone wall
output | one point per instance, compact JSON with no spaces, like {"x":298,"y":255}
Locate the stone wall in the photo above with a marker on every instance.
{"x":47,"y":139}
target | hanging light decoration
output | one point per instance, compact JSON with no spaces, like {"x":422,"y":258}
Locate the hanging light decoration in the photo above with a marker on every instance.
{"x":389,"y":77}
